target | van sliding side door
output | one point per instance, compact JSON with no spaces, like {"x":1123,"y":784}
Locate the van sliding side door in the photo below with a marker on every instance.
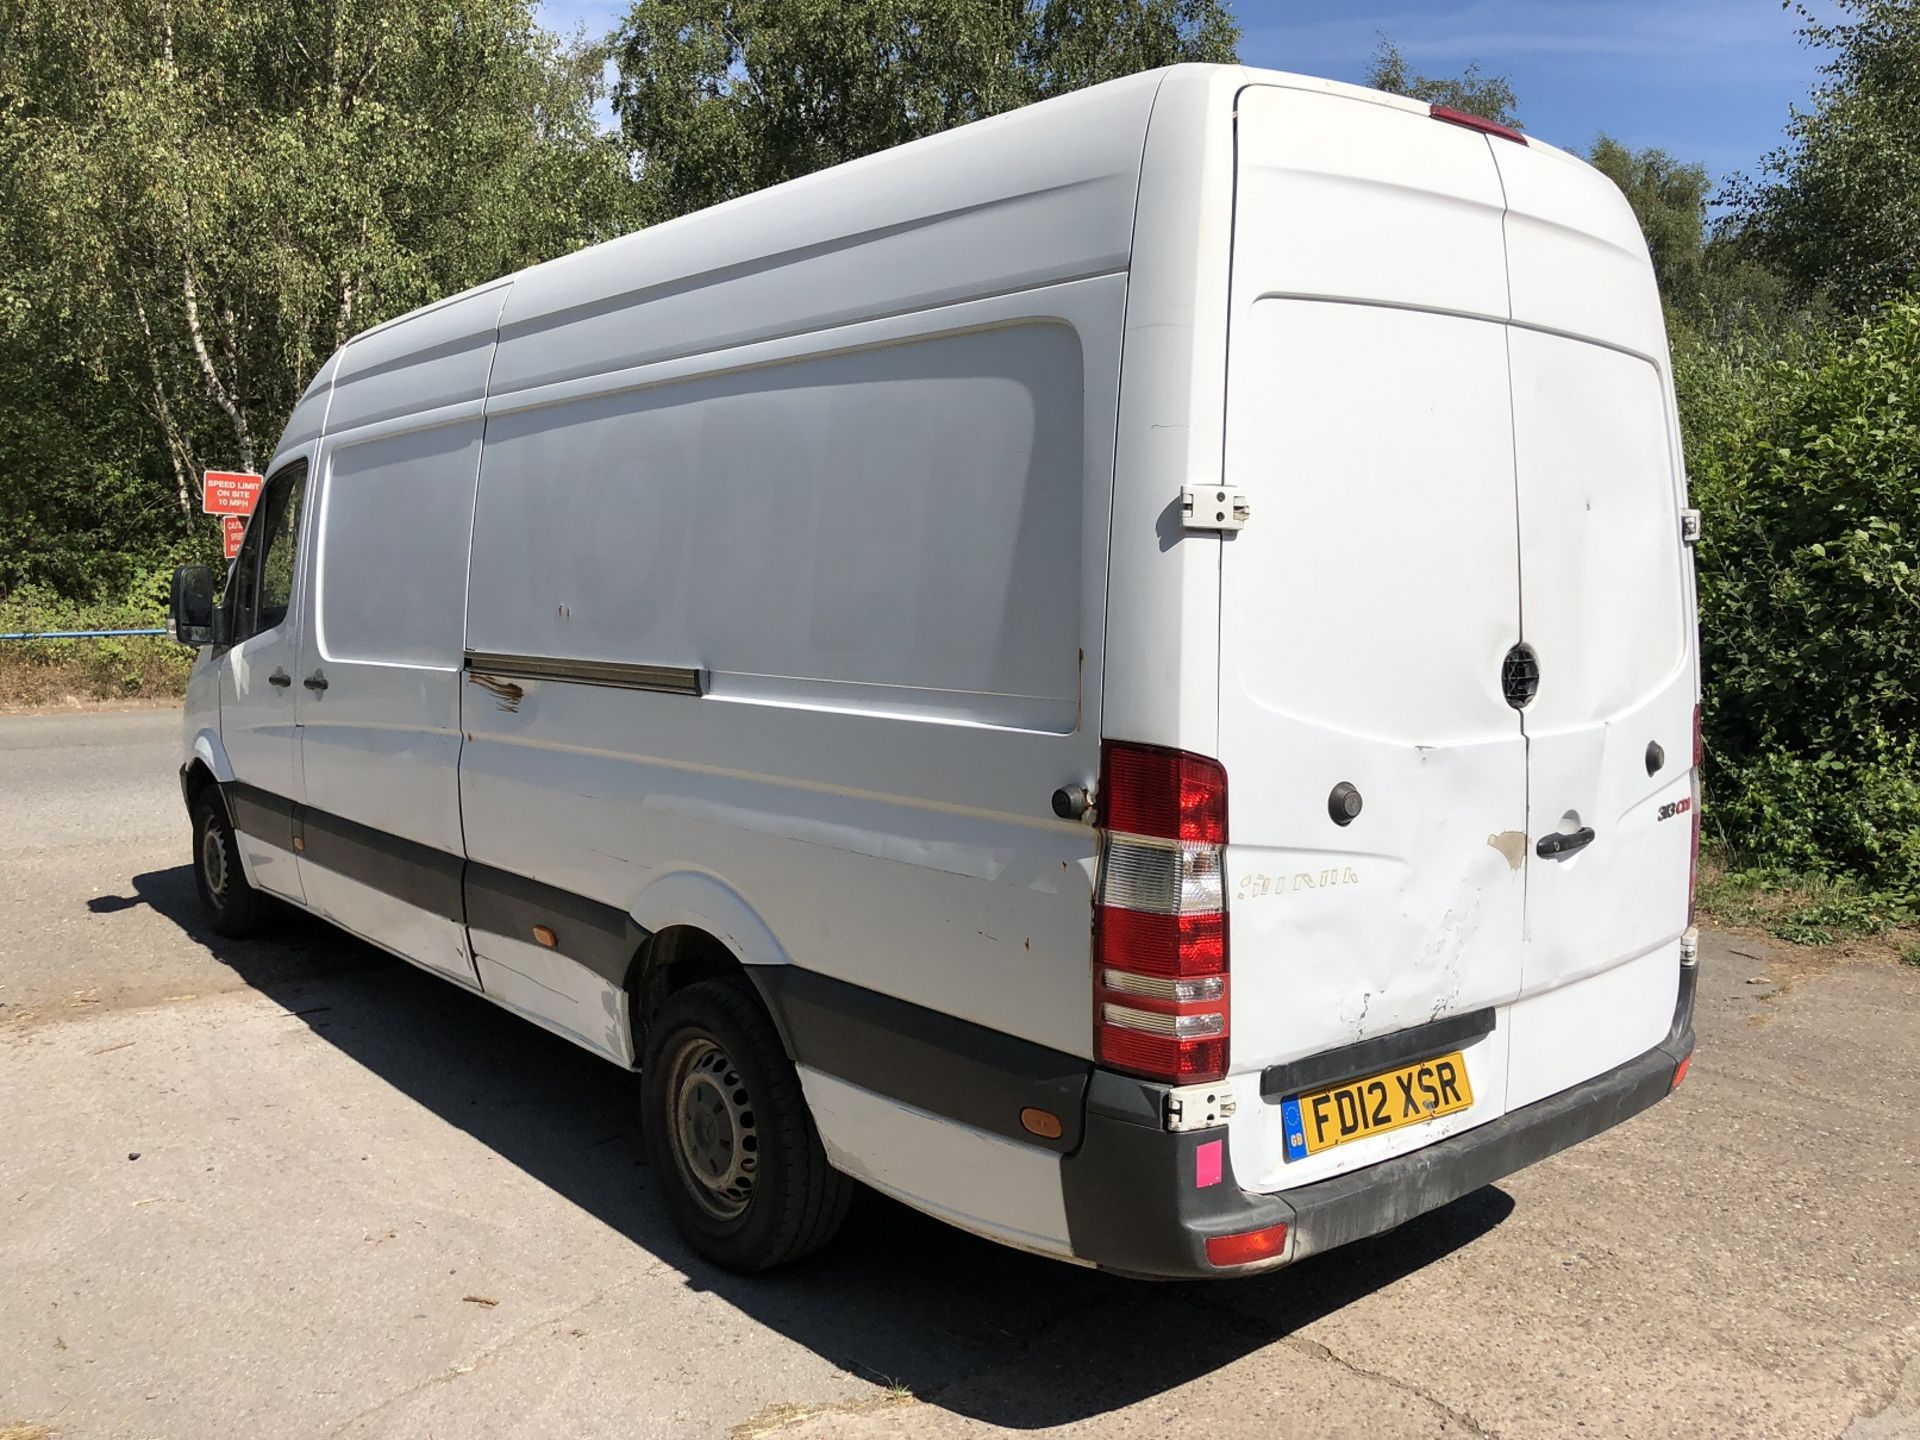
{"x":381,"y":646}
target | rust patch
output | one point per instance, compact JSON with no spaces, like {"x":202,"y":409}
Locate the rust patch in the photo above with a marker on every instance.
{"x":506,"y":694}
{"x":1512,"y":845}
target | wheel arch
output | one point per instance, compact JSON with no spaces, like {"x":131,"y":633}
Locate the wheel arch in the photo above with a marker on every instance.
{"x":697,"y":927}
{"x":208,"y":768}
{"x":208,"y":751}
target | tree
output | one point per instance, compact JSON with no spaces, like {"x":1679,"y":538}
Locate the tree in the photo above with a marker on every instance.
{"x":1669,"y":198}
{"x":203,"y":198}
{"x":1809,"y":476}
{"x":1474,"y":91}
{"x":1837,"y":209}
{"x":719,"y":98}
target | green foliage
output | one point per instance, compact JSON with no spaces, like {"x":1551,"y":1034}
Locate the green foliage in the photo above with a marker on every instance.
{"x":1809,"y":576}
{"x":201,"y":199}
{"x":36,"y":671}
{"x":1473,"y":90}
{"x":1837,"y":210}
{"x":719,"y":98}
{"x":1805,"y":909}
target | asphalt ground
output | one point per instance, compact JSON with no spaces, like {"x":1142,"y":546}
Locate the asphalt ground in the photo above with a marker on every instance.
{"x":293,"y":1187}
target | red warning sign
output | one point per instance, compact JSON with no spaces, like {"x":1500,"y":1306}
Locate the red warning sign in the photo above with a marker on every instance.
{"x":229,"y":492}
{"x":233,"y":529}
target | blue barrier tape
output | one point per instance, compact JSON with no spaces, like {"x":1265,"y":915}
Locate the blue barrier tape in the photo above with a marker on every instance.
{"x":76,"y":634}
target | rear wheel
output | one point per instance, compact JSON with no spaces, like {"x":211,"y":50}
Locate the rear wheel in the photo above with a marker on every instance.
{"x":232,"y":906}
{"x":727,"y":1130}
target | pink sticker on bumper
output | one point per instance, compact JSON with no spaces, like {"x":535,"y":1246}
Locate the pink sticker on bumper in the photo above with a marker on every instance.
{"x":1208,"y":1161}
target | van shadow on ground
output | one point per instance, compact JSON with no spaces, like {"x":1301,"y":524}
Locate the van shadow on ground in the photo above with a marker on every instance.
{"x":965,"y":1324}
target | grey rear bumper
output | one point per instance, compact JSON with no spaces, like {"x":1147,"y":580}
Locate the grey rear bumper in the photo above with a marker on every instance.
{"x":1132,"y":1204}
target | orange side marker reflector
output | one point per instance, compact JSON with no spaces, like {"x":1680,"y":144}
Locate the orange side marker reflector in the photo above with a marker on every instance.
{"x":545,"y":936}
{"x":1680,"y":1072}
{"x":1244,"y":1249}
{"x":300,"y":842}
{"x":1043,"y":1123}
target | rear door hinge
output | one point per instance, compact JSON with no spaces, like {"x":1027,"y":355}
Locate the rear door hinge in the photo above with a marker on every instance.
{"x":1213,"y":507}
{"x":1690,"y":527}
{"x":1200,"y":1107}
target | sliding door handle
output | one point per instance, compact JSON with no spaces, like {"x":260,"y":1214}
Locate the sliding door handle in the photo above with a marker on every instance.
{"x":315,"y":681}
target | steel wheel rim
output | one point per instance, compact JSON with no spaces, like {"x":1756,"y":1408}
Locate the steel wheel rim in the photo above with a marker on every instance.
{"x":213,"y":860}
{"x":715,"y":1141}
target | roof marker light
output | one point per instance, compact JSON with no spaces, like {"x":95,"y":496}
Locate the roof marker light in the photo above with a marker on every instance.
{"x":1476,"y":122}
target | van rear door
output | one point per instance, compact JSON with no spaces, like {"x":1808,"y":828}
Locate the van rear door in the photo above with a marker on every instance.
{"x":1606,"y":606}
{"x":1368,"y":606}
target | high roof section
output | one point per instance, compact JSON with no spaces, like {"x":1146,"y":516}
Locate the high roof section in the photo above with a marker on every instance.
{"x":1041,"y":194}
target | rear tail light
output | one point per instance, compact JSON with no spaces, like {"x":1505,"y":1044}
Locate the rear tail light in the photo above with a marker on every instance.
{"x":1693,"y":858}
{"x":1476,"y":122}
{"x":1159,"y":916}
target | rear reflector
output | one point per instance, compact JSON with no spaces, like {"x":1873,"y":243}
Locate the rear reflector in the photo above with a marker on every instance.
{"x":1680,"y":1071}
{"x":1244,"y":1249}
{"x":1476,"y":122}
{"x":1159,"y":915}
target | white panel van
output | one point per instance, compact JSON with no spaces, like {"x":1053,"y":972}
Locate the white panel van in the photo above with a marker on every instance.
{"x":1125,"y":675}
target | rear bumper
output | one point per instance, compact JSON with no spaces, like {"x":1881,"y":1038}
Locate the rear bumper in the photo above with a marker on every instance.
{"x":1133,"y":1204}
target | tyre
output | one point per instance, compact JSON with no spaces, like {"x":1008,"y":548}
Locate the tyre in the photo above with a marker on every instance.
{"x":232,"y":906}
{"x":728,"y":1134}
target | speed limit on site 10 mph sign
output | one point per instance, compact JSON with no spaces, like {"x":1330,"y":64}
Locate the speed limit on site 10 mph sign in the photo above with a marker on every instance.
{"x":229,"y":492}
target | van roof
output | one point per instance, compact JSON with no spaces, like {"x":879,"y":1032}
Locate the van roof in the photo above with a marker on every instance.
{"x":1065,"y":169}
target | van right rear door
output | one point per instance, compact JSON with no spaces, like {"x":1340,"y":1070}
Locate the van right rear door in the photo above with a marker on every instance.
{"x":1607,"y":610}
{"x":1369,"y":605}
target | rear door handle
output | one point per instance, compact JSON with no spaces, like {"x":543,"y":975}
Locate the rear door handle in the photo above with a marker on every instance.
{"x":315,"y":681}
{"x":1552,"y":847}
{"x":280,"y":678}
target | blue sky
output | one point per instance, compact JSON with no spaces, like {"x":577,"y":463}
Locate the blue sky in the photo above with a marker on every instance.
{"x":1708,"y":80}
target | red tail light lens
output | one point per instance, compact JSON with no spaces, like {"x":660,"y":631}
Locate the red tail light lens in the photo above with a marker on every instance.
{"x":1244,"y":1249}
{"x":1146,"y":790}
{"x":1147,"y":944}
{"x":1476,"y":122}
{"x":1159,"y":917}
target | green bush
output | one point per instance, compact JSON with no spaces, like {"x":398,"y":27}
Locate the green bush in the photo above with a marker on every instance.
{"x":1807,"y":470}
{"x":39,"y":671}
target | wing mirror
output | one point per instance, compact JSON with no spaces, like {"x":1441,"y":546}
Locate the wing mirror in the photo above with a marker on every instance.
{"x":192,"y":617}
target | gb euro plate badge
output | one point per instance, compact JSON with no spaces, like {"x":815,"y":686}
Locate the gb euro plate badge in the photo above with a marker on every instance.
{"x":1374,"y":1104}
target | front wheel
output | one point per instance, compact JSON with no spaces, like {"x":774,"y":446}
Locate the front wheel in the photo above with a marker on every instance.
{"x":727,"y":1131}
{"x":232,"y":906}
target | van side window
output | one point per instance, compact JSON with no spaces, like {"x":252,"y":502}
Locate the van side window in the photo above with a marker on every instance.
{"x":282,"y":540}
{"x":263,"y":571}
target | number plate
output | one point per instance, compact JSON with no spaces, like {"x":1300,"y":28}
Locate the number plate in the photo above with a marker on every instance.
{"x":1375,"y":1104}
